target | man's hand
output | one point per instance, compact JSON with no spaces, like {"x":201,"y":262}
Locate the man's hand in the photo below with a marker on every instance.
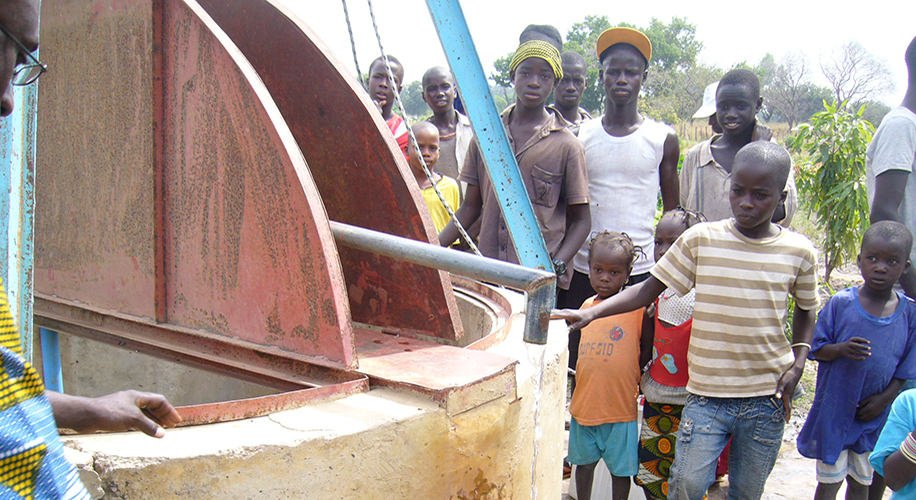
{"x":855,"y":348}
{"x":872,"y":407}
{"x":121,"y":411}
{"x":785,"y":388}
{"x":576,"y":318}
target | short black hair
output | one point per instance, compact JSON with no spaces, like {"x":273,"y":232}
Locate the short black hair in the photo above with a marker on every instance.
{"x":685,"y":216}
{"x":741,"y":76}
{"x":574,"y":58}
{"x":437,"y":69}
{"x":770,"y":154}
{"x":889,"y":231}
{"x":910,"y":59}
{"x":613,"y":239}
{"x":616,"y":45}
{"x":393,"y":60}
{"x":543,"y":32}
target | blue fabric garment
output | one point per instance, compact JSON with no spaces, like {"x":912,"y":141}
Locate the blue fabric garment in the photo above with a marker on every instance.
{"x":902,"y":421}
{"x":831,"y":426}
{"x":32,"y":462}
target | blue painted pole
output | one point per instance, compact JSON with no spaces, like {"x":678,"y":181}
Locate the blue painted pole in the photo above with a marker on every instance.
{"x":50,"y":360}
{"x":17,"y":201}
{"x":494,"y":144}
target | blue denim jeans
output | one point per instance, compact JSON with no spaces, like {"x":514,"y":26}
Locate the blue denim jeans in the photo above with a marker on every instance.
{"x":755,"y":426}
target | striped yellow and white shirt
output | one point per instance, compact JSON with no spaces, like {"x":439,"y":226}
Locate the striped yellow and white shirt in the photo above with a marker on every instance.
{"x":737,"y":346}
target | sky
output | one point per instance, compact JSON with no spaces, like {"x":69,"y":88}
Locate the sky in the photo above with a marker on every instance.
{"x":779,"y":27}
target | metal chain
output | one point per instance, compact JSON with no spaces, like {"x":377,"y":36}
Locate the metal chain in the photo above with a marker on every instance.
{"x":359,"y":75}
{"x":412,"y":138}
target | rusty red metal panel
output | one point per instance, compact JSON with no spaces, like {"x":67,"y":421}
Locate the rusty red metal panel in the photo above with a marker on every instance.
{"x":249,"y":251}
{"x":175,"y":192}
{"x":94,"y":175}
{"x":358,"y":168}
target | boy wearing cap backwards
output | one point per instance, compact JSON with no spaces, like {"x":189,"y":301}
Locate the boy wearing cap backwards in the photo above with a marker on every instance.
{"x":550,"y":159}
{"x":570,"y":89}
{"x":629,"y":158}
{"x":708,"y":165}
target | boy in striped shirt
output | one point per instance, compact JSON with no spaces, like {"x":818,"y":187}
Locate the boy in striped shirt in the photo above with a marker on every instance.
{"x":743,"y":371}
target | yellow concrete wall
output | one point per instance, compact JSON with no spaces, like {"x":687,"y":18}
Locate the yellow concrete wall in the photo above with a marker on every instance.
{"x":381,"y":445}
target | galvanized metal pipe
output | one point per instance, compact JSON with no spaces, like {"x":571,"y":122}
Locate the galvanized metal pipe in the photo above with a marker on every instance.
{"x":491,"y":136}
{"x":539,"y":285}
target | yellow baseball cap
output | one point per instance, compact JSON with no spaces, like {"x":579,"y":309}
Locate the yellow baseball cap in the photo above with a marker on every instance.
{"x":633,"y":37}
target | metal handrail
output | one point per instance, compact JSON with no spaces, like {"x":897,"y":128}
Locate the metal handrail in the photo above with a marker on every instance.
{"x":537,"y":284}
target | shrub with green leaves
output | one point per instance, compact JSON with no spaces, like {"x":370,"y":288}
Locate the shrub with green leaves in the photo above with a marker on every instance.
{"x":832,"y":179}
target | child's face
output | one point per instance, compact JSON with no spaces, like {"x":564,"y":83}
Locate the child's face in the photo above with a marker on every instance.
{"x":533,"y":80}
{"x":736,"y":108}
{"x":667,"y":231}
{"x":380,"y":89}
{"x":569,"y":91}
{"x":882,"y":263}
{"x":428,"y":141}
{"x":754,"y":197}
{"x":439,"y":93}
{"x":623,"y":72}
{"x":608,"y":269}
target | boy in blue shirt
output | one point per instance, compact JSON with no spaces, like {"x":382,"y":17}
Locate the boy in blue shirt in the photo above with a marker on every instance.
{"x":863,"y":342}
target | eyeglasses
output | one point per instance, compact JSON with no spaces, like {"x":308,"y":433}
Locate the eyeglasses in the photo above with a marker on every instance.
{"x":25,"y":74}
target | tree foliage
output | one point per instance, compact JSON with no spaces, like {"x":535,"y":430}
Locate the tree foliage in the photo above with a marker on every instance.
{"x":856,"y":75}
{"x":412,"y":98}
{"x":833,"y":177}
{"x":786,"y":86}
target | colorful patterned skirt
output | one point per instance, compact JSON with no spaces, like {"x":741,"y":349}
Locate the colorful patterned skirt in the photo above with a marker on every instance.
{"x":657,"y":440}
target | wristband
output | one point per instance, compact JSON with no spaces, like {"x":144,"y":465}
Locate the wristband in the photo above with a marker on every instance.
{"x":801,"y":344}
{"x":908,"y":448}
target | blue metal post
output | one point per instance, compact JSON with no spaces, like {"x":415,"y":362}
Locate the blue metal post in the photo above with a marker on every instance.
{"x":17,"y":202}
{"x":494,"y":144}
{"x":50,"y":360}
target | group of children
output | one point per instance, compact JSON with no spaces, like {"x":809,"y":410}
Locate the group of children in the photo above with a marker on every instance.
{"x":701,"y":332}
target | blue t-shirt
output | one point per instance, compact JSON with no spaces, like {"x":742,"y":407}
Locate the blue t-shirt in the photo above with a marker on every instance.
{"x":831,"y":426}
{"x":901,"y":422}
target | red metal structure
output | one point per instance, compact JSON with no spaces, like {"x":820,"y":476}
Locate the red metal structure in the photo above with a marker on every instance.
{"x":186,"y":176}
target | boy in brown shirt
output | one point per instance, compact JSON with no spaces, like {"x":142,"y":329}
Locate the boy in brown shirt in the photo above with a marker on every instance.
{"x":550,"y":158}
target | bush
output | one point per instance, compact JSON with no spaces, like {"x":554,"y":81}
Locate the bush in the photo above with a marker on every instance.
{"x":832,"y":179}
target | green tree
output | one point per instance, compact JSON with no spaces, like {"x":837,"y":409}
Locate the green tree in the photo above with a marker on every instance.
{"x":501,"y":76}
{"x":674,"y":45}
{"x":832,"y":178}
{"x":412,"y":98}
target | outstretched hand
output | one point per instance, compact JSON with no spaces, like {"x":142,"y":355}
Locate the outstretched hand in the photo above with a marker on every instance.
{"x":121,"y":411}
{"x":575,"y":317}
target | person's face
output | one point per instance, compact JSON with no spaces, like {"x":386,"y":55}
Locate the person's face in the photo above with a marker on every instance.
{"x":882,"y":263}
{"x":428,"y":142}
{"x":608,"y":269}
{"x":666,"y":233}
{"x":736,"y":108}
{"x":439,"y":92}
{"x":533,"y":80}
{"x":20,"y":19}
{"x":754,"y":197}
{"x":623,"y":72}
{"x":380,"y":88}
{"x":569,"y":91}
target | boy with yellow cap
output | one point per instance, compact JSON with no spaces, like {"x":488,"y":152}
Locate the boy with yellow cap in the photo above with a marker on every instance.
{"x":550,"y":159}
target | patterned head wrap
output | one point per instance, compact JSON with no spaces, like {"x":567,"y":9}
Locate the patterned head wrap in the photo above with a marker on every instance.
{"x":542,"y":49}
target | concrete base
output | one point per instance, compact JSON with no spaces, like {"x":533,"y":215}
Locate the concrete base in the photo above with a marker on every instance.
{"x":387,"y":443}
